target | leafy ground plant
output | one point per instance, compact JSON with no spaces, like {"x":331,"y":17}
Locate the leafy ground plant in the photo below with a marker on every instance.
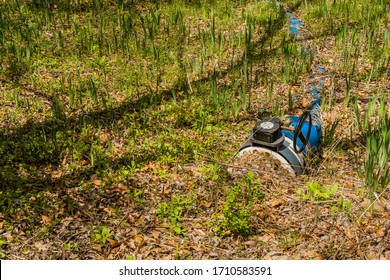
{"x":101,"y":235}
{"x":172,"y":213}
{"x":2,"y":244}
{"x":316,"y":192}
{"x":235,"y":214}
{"x":237,"y":211}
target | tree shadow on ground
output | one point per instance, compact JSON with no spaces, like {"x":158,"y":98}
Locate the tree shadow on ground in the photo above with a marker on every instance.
{"x":35,"y":144}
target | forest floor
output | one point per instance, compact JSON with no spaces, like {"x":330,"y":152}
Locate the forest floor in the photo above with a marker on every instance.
{"x":119,"y":122}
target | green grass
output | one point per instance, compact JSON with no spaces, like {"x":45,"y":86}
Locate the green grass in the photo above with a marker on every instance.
{"x":108,"y":91}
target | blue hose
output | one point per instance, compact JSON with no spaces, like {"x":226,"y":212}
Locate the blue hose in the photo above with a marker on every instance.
{"x":315,"y":132}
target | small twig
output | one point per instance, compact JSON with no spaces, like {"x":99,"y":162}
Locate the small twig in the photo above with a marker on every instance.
{"x":338,"y":250}
{"x":337,"y":228}
{"x":72,"y":236}
{"x":372,"y":203}
{"x":323,"y":201}
{"x":189,"y":82}
{"x":364,"y":241}
{"x":121,"y":221}
{"x":85,"y":213}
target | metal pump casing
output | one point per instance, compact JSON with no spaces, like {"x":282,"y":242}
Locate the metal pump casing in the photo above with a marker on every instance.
{"x":268,"y":136}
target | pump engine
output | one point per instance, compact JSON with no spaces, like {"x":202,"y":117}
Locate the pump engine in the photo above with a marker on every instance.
{"x":288,"y":142}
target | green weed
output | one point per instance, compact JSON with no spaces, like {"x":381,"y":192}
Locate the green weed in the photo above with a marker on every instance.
{"x":316,"y":192}
{"x":210,"y":171}
{"x":342,"y":205}
{"x":237,"y":211}
{"x":172,"y":213}
{"x":101,"y":235}
{"x":376,"y":164}
{"x":329,"y":133}
{"x":71,"y":247}
{"x":290,"y":239}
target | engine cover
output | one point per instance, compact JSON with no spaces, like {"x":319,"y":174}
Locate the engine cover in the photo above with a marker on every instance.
{"x":289,"y":159}
{"x":268,"y":133}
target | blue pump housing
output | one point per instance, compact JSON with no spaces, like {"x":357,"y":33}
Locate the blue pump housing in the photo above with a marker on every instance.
{"x":314,"y":137}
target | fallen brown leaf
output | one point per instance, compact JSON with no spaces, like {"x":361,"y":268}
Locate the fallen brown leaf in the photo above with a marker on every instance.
{"x":251,"y":243}
{"x":172,"y":243}
{"x":121,"y":188}
{"x":276,"y":202}
{"x":113,"y":242}
{"x":138,"y":239}
{"x":56,"y":174}
{"x":199,"y":232}
{"x":131,"y":219}
{"x":207,"y":204}
{"x":155,"y":234}
{"x":46,"y":220}
{"x":198,"y":249}
{"x":97,"y":182}
{"x":109,"y":211}
{"x":40,"y":246}
{"x":97,"y":247}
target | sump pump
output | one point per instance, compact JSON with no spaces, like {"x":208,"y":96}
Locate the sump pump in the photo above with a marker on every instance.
{"x":288,"y":141}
